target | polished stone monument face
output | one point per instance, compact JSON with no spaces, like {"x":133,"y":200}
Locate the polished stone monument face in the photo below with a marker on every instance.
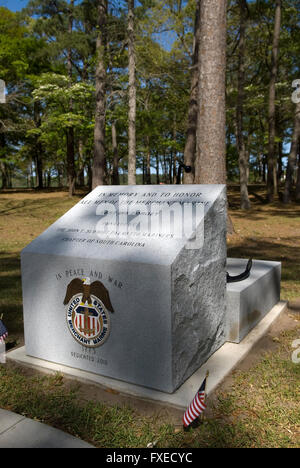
{"x":130,"y":284}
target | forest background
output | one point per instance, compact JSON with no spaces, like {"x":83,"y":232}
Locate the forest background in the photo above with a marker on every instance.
{"x":107,"y":92}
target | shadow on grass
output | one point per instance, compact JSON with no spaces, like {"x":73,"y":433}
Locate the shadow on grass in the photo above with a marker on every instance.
{"x":11,"y":293}
{"x":79,"y":190}
{"x":28,"y":205}
{"x":47,"y":398}
{"x":261,"y":249}
{"x":288,"y":255}
{"x":276,"y":212}
{"x":259,"y":203}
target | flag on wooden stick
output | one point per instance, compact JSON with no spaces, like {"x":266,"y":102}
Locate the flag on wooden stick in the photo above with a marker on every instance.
{"x":197,"y":406}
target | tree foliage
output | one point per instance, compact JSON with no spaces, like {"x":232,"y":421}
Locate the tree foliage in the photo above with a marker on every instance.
{"x":50,"y":73}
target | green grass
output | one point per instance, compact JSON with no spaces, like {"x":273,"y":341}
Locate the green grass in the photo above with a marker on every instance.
{"x":259,"y":409}
{"x":23,"y":216}
{"x":268,"y":232}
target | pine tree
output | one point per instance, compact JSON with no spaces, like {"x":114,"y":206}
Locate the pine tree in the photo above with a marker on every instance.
{"x":99,"y":164}
{"x":292,"y":160}
{"x":243,"y":154}
{"x":272,"y":161}
{"x":132,"y":97}
{"x":210,"y":167}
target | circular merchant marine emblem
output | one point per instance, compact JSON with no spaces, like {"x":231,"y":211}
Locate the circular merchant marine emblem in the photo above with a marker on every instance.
{"x":87,"y":313}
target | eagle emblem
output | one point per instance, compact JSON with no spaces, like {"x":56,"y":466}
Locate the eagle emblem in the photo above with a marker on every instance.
{"x":88,"y":307}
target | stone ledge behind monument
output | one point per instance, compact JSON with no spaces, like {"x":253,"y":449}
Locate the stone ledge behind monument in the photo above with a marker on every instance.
{"x":250,"y":300}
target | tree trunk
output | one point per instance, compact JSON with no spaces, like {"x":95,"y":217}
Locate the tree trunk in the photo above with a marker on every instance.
{"x":171,"y":168}
{"x":165,"y":170}
{"x":90,"y":176}
{"x":157,"y":170}
{"x":10,"y":177}
{"x":298,"y":177}
{"x":264,"y":179}
{"x":4,"y":175}
{"x":70,"y":131}
{"x":148,"y":162}
{"x":59,"y":176}
{"x":70,"y":161}
{"x":99,"y":131}
{"x":38,"y":147}
{"x":31,"y":170}
{"x":144,"y":170}
{"x":49,"y":178}
{"x":80,"y":177}
{"x":3,"y":166}
{"x":132,"y":97}
{"x":39,"y":166}
{"x":280,"y":164}
{"x":175,"y":174}
{"x":116,"y":178}
{"x":292,"y":161}
{"x":243,"y":154}
{"x":190,"y":144}
{"x":272,"y":161}
{"x":174,"y":154}
{"x":210,"y":164}
{"x":260,"y":168}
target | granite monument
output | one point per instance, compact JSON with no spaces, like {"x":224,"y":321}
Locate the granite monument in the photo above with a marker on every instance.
{"x":130,"y":284}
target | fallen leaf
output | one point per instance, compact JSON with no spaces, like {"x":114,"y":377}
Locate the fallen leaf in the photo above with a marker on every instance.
{"x":111,"y":390}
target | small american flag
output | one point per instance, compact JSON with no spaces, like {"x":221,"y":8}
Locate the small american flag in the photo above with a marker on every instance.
{"x":196,"y":407}
{"x":3,"y":331}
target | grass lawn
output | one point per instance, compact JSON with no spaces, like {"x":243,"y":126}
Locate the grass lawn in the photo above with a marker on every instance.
{"x":257,"y":407}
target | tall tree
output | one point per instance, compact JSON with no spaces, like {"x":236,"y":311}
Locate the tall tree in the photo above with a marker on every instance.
{"x":115,"y":176}
{"x":70,"y":130}
{"x":38,"y":146}
{"x":20,"y":59}
{"x":210,"y":167}
{"x":292,"y":160}
{"x":190,"y":144}
{"x":132,"y":97}
{"x":298,"y":176}
{"x":243,"y":154}
{"x":57,"y":23}
{"x":99,"y":163}
{"x":272,"y":160}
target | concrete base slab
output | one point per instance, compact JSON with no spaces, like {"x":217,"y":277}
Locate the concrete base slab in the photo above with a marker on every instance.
{"x":16,"y":431}
{"x":220,"y":364}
